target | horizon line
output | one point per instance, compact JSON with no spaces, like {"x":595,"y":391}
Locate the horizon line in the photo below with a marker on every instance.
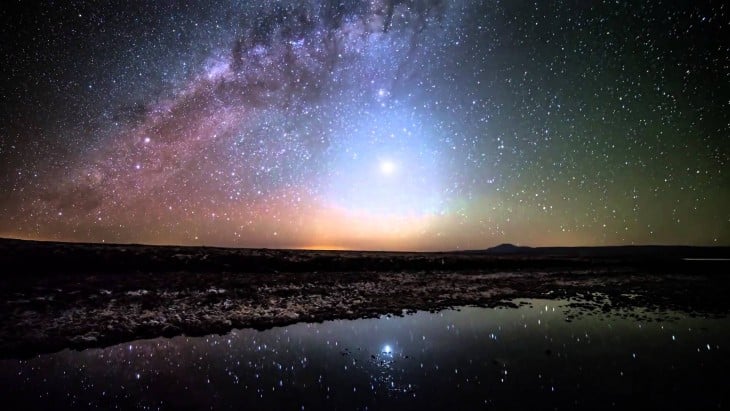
{"x":346,"y":249}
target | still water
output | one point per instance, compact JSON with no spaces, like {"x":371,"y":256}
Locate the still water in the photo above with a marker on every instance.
{"x":460,"y":359}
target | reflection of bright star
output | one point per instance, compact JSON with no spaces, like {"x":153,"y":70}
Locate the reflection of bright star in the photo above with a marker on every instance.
{"x":387,"y":167}
{"x":387,"y":349}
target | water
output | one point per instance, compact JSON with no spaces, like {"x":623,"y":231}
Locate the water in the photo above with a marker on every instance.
{"x":460,"y":359}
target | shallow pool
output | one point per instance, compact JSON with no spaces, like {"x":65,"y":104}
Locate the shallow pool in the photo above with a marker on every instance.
{"x":543,"y":354}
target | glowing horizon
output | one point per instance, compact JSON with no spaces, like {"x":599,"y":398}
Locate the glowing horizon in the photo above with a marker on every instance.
{"x":388,"y":125}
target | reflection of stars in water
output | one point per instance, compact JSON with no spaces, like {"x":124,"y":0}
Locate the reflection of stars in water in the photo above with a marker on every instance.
{"x":390,"y":371}
{"x":459,"y":358}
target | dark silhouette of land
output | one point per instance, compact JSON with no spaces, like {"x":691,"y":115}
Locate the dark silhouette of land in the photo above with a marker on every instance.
{"x":58,"y":295}
{"x":35,"y":257}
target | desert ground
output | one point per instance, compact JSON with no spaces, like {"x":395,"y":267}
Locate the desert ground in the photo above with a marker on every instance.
{"x":61,"y":295}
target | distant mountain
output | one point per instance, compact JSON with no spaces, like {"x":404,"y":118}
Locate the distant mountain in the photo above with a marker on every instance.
{"x":654,"y":251}
{"x":507,"y":248}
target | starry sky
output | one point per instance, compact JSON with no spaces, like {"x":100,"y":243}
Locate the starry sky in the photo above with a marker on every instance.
{"x":381,"y":124}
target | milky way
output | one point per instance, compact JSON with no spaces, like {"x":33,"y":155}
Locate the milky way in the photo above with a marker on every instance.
{"x":403,"y":124}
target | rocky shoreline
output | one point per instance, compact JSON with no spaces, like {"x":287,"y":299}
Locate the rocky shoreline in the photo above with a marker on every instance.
{"x":48,"y":304}
{"x":92,"y":310}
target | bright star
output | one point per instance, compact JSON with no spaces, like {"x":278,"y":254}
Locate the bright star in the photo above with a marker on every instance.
{"x":387,"y":167}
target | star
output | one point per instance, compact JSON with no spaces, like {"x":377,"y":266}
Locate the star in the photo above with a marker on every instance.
{"x":386,"y":124}
{"x":387,"y":167}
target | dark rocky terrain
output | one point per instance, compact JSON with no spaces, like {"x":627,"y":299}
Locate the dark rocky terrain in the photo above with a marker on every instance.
{"x":57,"y":295}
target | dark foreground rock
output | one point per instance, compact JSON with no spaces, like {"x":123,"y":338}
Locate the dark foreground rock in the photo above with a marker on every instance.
{"x":46,"y":308}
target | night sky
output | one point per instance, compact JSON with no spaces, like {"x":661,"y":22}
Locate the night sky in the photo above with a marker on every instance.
{"x":401,"y":124}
